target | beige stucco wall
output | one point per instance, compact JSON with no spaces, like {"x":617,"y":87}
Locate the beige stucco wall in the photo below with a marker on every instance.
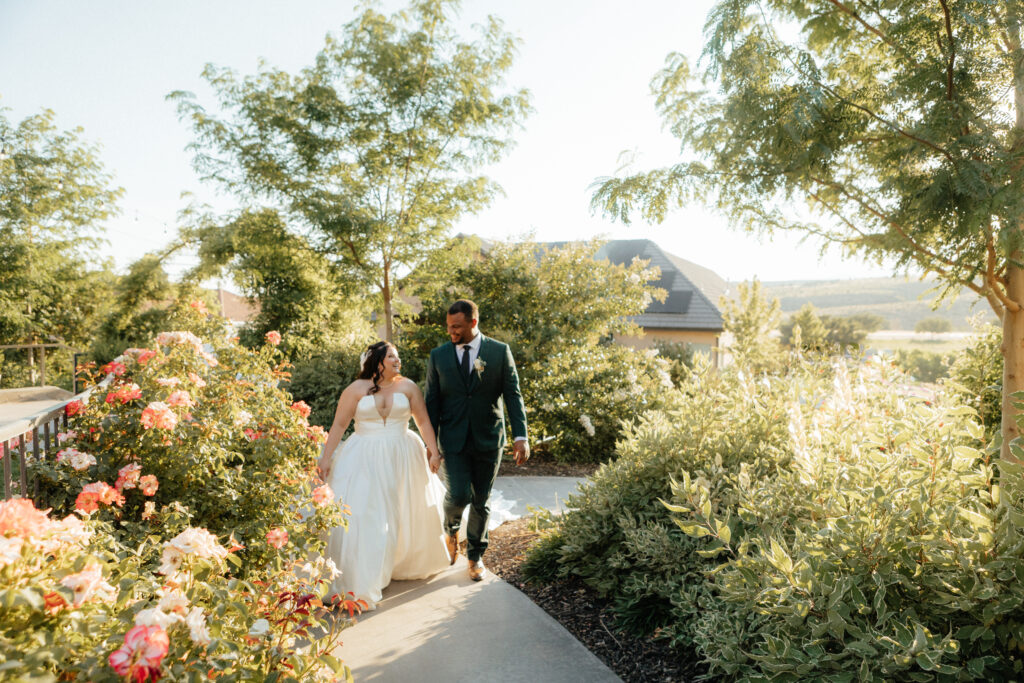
{"x":697,"y":337}
{"x":702,"y":341}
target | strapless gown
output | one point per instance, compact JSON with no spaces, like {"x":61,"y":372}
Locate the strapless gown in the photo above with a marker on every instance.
{"x":395,"y":530}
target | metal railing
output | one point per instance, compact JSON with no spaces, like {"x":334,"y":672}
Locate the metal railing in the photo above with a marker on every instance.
{"x":38,"y":432}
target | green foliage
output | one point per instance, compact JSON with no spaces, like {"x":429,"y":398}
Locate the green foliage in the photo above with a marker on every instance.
{"x":319,"y":380}
{"x":805,"y":330}
{"x":557,"y":309}
{"x":924,"y":366}
{"x":751,"y":319}
{"x":824,"y":525}
{"x":933,"y":324}
{"x":618,"y":537}
{"x":300,"y":293}
{"x":581,"y":398}
{"x":56,"y":282}
{"x":146,"y":303}
{"x":234,"y":454}
{"x":885,"y":552}
{"x":678,"y":355}
{"x":375,"y":147}
{"x":977,"y":373}
{"x":869,"y":322}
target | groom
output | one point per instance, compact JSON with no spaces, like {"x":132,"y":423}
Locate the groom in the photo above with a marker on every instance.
{"x":468,"y":380}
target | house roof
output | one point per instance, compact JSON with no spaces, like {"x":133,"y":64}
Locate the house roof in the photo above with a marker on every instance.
{"x":692,"y":290}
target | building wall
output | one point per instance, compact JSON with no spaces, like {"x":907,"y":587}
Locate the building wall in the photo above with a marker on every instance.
{"x":700,"y":338}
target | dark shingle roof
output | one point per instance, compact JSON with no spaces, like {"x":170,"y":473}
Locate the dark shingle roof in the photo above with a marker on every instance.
{"x":693,"y":290}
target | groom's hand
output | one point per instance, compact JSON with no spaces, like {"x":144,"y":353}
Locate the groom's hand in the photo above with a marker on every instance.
{"x":521,"y":451}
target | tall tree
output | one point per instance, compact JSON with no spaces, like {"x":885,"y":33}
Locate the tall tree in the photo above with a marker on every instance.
{"x":375,"y":148}
{"x":900,"y":123}
{"x":297,"y":291}
{"x":54,"y":197}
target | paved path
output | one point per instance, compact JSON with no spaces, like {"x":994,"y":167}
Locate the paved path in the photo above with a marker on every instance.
{"x":452,"y":630}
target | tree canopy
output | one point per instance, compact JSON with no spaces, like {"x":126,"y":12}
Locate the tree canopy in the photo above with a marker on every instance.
{"x":374,"y":150}
{"x":899,"y":124}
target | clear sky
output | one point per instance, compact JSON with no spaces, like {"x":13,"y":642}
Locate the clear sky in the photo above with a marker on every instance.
{"x":107,"y":66}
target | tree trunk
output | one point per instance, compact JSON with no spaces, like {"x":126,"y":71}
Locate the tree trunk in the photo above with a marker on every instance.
{"x":1013,"y":357}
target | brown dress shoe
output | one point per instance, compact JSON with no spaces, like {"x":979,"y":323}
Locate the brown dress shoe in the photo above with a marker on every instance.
{"x":452,"y":541}
{"x":476,"y":570}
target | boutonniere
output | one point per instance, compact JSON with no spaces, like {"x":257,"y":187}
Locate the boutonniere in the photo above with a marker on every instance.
{"x":479,"y":365}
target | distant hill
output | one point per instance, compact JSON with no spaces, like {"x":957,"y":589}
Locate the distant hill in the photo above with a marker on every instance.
{"x":901,"y":302}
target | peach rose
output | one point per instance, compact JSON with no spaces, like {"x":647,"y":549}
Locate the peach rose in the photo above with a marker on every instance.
{"x":277,"y":537}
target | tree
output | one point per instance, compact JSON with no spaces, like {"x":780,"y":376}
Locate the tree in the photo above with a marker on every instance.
{"x":298,"y":291}
{"x":374,"y":148}
{"x":558,"y":309}
{"x":54,"y":197}
{"x":933,"y":324}
{"x":751,"y":319}
{"x":869,"y":322}
{"x":812,"y":335}
{"x":890,"y":119}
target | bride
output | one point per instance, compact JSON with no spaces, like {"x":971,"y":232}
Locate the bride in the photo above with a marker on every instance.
{"x":387,"y":478}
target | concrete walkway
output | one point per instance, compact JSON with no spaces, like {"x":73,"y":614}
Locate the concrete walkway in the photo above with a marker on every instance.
{"x":450,"y":629}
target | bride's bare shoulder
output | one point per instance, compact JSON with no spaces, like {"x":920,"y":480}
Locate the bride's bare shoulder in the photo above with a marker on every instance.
{"x":408,"y":387}
{"x":357,"y":389}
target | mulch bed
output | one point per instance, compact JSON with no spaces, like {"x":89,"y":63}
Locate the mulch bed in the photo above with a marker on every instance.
{"x":542,"y":464}
{"x":584,"y":614}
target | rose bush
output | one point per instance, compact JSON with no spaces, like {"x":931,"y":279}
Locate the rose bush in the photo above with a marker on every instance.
{"x":185,"y":512}
{"x":78,"y":604}
{"x":204,"y":419}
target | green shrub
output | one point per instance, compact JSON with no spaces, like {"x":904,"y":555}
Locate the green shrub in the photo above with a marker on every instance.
{"x":924,"y":366}
{"x":619,"y":538}
{"x":581,"y":398}
{"x":977,"y":373}
{"x":678,"y":355}
{"x":319,"y":381}
{"x":933,"y":324}
{"x":881,"y":553}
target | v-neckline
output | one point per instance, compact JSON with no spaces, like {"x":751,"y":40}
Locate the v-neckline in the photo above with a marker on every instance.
{"x":376,"y":407}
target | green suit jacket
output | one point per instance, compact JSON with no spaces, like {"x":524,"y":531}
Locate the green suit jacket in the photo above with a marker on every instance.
{"x":459,"y":407}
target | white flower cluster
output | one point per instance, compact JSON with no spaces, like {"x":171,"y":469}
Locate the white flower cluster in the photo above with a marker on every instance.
{"x":171,"y":610}
{"x":88,"y":584}
{"x":76,"y":458}
{"x":192,"y":541}
{"x":242,"y":418}
{"x":588,"y":426}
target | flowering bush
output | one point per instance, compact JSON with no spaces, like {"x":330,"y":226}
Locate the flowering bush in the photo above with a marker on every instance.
{"x":182,"y":525}
{"x":78,"y":604}
{"x":579,"y":401}
{"x":201,"y":422}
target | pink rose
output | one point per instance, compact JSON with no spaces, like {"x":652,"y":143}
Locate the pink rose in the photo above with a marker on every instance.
{"x":197,"y":380}
{"x":142,"y":654}
{"x":322,"y":495}
{"x":199,"y":307}
{"x":277,"y":537}
{"x":180,"y":398}
{"x":113,"y":368}
{"x":148,"y":485}
{"x":273,"y":337}
{"x":158,"y":415}
{"x":128,"y":476}
{"x":74,"y":408}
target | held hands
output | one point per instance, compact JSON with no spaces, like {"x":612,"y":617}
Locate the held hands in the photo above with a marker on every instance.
{"x":521,"y":451}
{"x":433,"y":460}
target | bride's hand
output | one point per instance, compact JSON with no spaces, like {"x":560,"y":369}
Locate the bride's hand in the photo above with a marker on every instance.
{"x":323,"y":467}
{"x":433,"y":461}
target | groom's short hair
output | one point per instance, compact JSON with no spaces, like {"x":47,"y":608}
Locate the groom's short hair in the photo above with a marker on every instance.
{"x":466,"y":308}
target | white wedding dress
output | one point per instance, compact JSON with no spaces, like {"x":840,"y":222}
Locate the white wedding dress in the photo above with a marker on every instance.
{"x":395,"y":530}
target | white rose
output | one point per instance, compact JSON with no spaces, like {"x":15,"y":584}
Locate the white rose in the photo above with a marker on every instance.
{"x":154,"y":616}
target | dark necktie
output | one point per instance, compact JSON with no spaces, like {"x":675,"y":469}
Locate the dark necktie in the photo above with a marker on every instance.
{"x":465,"y":361}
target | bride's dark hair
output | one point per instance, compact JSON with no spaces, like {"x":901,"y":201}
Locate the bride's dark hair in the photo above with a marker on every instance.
{"x":371,"y":370}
